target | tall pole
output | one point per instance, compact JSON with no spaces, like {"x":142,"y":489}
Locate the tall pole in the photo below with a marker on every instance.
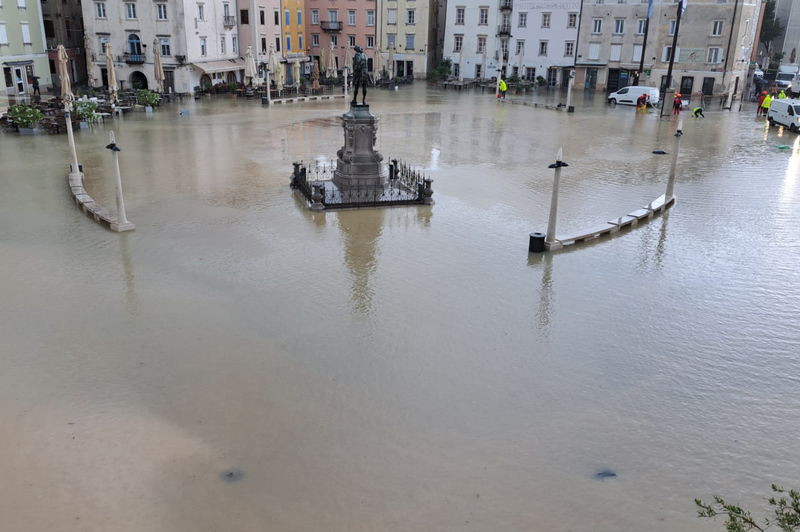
{"x":664,"y":107}
{"x":571,"y":81}
{"x":551,"y":224}
{"x":672,"y":169}
{"x":644,"y":48}
{"x":499,"y":70}
{"x":71,"y":138}
{"x":269,"y":89}
{"x":122,"y":223}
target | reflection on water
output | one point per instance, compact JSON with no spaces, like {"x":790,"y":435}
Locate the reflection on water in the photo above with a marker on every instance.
{"x":402,"y":369}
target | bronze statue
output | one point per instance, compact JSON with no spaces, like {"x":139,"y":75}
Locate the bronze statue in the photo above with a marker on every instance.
{"x":360,"y":76}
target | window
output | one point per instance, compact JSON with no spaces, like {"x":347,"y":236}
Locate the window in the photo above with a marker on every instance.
{"x":20,"y":3}
{"x":504,"y":48}
{"x":262,"y":15}
{"x":746,"y":27}
{"x":456,"y":69}
{"x":351,"y":40}
{"x":641,"y":24}
{"x":572,"y":20}
{"x":333,"y":15}
{"x":288,"y":18}
{"x":263,"y":45}
{"x":597,"y":25}
{"x":315,"y":39}
{"x":459,"y":16}
{"x":300,"y":42}
{"x":569,"y":49}
{"x":520,"y":47}
{"x":165,"y":51}
{"x":637,"y":52}
{"x":370,"y":41}
{"x":203,"y":47}
{"x":672,"y":24}
{"x":235,"y":45}
{"x":411,"y":16}
{"x":288,"y":43}
{"x":3,"y":33}
{"x":714,"y":54}
{"x":335,"y":40}
{"x":201,"y":12}
{"x":483,"y":18}
{"x":594,"y":51}
{"x":161,"y":11}
{"x":315,"y":16}
{"x":530,"y":73}
{"x":666,"y":53}
{"x":543,"y":48}
{"x":103,"y":43}
{"x":616,"y":52}
{"x":299,"y":19}
{"x":716,"y":28}
{"x":351,"y":18}
{"x":523,"y":20}
{"x":391,"y":16}
{"x":277,"y":43}
{"x":100,"y":9}
{"x":49,"y":29}
{"x":222,"y":44}
{"x":370,"y":18}
{"x":409,"y":42}
{"x":277,"y":22}
{"x":390,"y":40}
{"x":619,"y":26}
{"x":130,"y":11}
{"x":545,"y":20}
{"x":481,"y":44}
{"x":457,"y":42}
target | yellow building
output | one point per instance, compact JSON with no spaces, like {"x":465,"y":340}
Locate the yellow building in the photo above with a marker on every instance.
{"x":294,"y":39}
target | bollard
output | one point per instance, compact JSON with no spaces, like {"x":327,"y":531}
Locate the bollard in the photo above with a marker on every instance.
{"x":295,"y":173}
{"x":672,"y":169}
{"x":122,"y":223}
{"x":570,"y":107}
{"x":428,"y":191}
{"x":71,"y":138}
{"x":536,"y":243}
{"x":317,"y":196}
{"x":551,"y":224}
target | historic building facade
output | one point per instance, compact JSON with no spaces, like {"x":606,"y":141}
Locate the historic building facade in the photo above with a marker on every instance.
{"x":407,"y":28}
{"x":331,"y":23}
{"x":22,"y":50}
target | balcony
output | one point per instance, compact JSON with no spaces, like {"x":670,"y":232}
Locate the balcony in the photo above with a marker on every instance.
{"x":332,"y":26}
{"x":506,"y":6}
{"x":504,"y":30}
{"x":229,"y":22}
{"x":133,"y":59}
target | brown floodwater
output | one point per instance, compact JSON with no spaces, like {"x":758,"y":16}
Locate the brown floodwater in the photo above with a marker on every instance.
{"x":409,"y":369}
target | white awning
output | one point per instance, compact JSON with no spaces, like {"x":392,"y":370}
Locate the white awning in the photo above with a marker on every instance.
{"x":209,"y":67}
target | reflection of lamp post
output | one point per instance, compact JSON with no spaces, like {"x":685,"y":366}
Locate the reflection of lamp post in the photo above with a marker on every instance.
{"x":269,"y":91}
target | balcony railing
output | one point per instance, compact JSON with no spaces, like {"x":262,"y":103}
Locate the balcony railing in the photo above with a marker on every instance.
{"x":506,"y":5}
{"x":133,"y":59}
{"x":504,"y":30}
{"x":229,"y":22}
{"x":331,"y":25}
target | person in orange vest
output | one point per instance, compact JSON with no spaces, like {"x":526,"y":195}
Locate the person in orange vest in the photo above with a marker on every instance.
{"x":677,"y":104}
{"x":760,"y":110}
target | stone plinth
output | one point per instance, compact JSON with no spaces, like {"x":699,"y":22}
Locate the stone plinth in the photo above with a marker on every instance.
{"x":358,"y":164}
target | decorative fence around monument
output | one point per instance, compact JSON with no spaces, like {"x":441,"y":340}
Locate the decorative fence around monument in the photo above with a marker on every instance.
{"x":405,"y":186}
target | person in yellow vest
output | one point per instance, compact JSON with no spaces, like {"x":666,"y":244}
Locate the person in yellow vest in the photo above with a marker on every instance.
{"x":765,"y":104}
{"x":782,"y":95}
{"x":503,"y":88}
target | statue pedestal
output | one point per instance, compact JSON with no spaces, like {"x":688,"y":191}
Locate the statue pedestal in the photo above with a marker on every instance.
{"x":359,"y":165}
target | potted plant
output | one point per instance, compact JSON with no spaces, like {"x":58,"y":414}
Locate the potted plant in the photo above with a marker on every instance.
{"x":541,"y":81}
{"x":122,"y":95}
{"x":207,"y":87}
{"x":147,"y":99}
{"x":396,"y":81}
{"x":27,"y":118}
{"x":86,"y":112}
{"x":303,"y":82}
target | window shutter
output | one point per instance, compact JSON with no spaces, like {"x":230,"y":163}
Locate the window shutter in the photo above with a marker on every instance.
{"x":26,"y":33}
{"x":594,"y":51}
{"x":637,"y":52}
{"x":3,"y":34}
{"x":665,"y":54}
{"x":616,"y":52}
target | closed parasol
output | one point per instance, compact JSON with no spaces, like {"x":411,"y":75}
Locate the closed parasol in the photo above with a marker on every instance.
{"x":391,"y":61}
{"x":63,"y":71}
{"x":87,"y":47}
{"x":158,"y":69}
{"x":279,"y":77}
{"x":331,"y":62}
{"x":250,"y":70}
{"x":112,"y":75}
{"x":323,"y":66}
{"x":296,"y":73}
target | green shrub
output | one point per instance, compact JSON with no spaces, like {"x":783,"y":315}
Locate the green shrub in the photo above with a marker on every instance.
{"x":25,"y":116}
{"x":541,"y":81}
{"x":514,"y":78}
{"x":396,"y":80}
{"x":85,"y":110}
{"x":146,"y":97}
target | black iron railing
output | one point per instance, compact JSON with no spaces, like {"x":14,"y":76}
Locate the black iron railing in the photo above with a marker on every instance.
{"x":133,"y":59}
{"x":228,"y":21}
{"x":330,"y":25}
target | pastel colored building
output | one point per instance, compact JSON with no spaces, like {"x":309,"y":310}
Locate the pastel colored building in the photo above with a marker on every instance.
{"x":22,"y":50}
{"x":352,"y":22}
{"x":408,"y":28}
{"x":63,"y":24}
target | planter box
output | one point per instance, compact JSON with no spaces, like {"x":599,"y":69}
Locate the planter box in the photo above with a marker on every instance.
{"x":29,"y":131}
{"x":84,"y":124}
{"x":148,"y":109}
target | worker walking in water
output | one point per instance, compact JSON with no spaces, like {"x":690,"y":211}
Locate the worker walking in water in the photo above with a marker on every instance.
{"x":677,"y":104}
{"x":760,"y":109}
{"x":503,"y":88}
{"x":698,"y":112}
{"x":765,"y":104}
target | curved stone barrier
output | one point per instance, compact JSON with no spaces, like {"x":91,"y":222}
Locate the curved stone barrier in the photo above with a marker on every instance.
{"x":95,"y":210}
{"x":657,"y":206}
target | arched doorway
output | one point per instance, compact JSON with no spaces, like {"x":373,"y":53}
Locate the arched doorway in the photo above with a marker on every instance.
{"x":138,"y":80}
{"x":205,"y":81}
{"x":231,"y":77}
{"x":134,"y":44}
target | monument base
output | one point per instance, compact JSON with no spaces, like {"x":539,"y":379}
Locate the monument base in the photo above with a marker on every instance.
{"x":358,"y":164}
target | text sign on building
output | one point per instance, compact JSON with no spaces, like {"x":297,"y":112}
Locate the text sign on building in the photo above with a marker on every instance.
{"x":574,"y":6}
{"x":692,"y":55}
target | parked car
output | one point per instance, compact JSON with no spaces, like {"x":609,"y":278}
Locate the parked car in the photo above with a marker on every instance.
{"x":629,"y":95}
{"x":785,"y":113}
{"x":758,"y":73}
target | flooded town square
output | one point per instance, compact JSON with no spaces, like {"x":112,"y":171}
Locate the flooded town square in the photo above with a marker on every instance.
{"x":240,"y":363}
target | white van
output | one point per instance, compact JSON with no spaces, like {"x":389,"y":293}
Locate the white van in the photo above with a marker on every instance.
{"x":785,"y":113}
{"x":629,"y":95}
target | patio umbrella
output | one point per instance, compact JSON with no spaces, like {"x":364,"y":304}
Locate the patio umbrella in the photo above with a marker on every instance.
{"x":112,"y":75}
{"x":157,"y":67}
{"x":461,"y":64}
{"x":391,"y":61}
{"x":331,"y":63}
{"x":297,"y":74}
{"x":348,"y":57}
{"x":63,"y":70}
{"x":315,"y":76}
{"x":279,"y":77}
{"x":250,"y":70}
{"x":87,"y":47}
{"x":483,"y":68}
{"x":522,"y":62}
{"x":323,"y":66}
